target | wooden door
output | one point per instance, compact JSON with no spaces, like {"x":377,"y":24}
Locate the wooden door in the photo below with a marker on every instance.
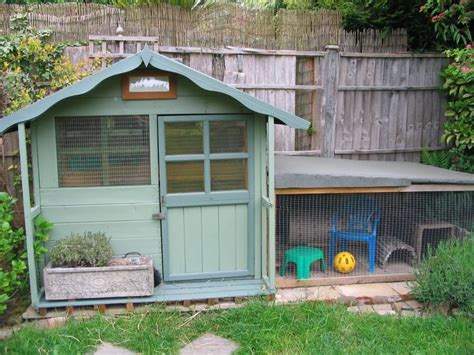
{"x":207,"y":194}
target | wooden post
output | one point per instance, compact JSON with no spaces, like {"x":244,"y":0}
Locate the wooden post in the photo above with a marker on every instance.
{"x":271,"y":209}
{"x":29,"y":229}
{"x":329,"y":101}
{"x":102,"y":308}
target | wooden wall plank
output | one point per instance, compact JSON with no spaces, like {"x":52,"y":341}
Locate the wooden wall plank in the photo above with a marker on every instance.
{"x":176,"y":244}
{"x":241,"y":237}
{"x":210,"y":239}
{"x":227,"y":230}
{"x":192,"y":239}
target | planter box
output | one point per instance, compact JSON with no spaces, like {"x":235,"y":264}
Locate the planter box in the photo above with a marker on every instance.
{"x":123,"y":278}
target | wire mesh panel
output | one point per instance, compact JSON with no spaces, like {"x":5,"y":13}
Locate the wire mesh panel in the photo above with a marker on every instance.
{"x":229,"y":175}
{"x":103,"y":151}
{"x":206,"y":152}
{"x":228,"y":136}
{"x":386,"y":233}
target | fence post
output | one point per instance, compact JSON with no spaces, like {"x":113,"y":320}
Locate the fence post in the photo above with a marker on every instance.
{"x":329,"y":101}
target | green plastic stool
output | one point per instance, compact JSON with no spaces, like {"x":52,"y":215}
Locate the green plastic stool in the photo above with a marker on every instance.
{"x":303,"y":257}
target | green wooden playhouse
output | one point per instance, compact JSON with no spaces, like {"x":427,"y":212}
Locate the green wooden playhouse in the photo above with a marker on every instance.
{"x":168,"y":162}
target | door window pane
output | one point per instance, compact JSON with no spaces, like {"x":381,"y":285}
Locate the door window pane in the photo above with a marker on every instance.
{"x":185,"y":176}
{"x":229,"y":175}
{"x":228,"y":136}
{"x":103,"y":151}
{"x":184,"y":138}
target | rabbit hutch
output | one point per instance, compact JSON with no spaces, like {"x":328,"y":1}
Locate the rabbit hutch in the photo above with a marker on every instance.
{"x":387,"y":215}
{"x":167,"y":162}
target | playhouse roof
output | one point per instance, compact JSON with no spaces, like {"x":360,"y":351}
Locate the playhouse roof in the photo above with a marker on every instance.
{"x":314,"y":172}
{"x":148,"y":59}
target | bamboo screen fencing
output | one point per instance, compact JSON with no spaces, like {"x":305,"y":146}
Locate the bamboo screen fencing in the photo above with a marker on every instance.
{"x":210,"y":27}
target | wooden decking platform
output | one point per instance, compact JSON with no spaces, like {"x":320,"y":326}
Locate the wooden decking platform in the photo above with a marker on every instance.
{"x":175,"y":292}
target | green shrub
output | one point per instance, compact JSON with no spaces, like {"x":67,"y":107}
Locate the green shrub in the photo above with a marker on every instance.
{"x":448,"y":277}
{"x":459,"y":127}
{"x":13,"y":269}
{"x":89,"y":249}
{"x":452,"y":21}
{"x":12,"y":253}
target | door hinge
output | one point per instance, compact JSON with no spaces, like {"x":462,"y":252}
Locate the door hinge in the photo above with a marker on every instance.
{"x":158,"y":216}
{"x":163,"y":200}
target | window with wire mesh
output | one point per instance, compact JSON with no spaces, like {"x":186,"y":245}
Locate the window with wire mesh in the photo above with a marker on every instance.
{"x":223,"y":140}
{"x":403,"y":226}
{"x":103,"y":151}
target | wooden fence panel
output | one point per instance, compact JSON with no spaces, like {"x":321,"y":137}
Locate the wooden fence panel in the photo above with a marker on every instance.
{"x":387,"y":106}
{"x":254,"y":73}
{"x":390,"y":105}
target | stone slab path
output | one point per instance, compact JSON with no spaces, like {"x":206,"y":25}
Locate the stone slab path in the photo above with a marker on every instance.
{"x":210,"y":344}
{"x":383,"y":298}
{"x":109,"y":349}
{"x":378,"y":293}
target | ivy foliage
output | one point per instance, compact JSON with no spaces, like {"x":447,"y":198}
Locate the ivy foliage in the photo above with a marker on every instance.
{"x":32,"y":67}
{"x":13,"y":269}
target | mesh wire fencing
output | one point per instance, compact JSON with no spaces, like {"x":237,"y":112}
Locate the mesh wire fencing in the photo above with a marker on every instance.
{"x":386,"y":233}
{"x":103,"y":151}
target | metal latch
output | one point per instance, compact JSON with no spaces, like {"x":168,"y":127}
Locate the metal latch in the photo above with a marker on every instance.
{"x":158,"y":216}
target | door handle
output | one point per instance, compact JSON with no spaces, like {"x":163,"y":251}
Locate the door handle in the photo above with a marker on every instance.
{"x":158,"y":216}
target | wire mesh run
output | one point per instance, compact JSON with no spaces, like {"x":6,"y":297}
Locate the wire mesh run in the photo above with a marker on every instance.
{"x":386,"y":233}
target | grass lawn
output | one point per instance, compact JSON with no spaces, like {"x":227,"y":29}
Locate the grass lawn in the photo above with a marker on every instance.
{"x":258,"y":328}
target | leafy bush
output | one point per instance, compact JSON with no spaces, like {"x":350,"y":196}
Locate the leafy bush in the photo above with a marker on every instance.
{"x":452,"y":20}
{"x":12,"y":264}
{"x":440,"y":159}
{"x":89,"y":249}
{"x":13,"y":270}
{"x":33,"y":67}
{"x":454,"y":159}
{"x":448,"y":277}
{"x":459,"y":127}
{"x":389,"y":15}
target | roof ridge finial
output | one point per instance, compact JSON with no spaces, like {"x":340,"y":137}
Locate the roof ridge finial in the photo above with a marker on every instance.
{"x":146,"y":55}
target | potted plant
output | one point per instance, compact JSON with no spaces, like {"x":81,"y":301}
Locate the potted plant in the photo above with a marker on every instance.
{"x":82,"y":266}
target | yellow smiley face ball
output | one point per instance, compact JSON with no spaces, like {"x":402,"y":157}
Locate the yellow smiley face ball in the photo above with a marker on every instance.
{"x":344,"y":262}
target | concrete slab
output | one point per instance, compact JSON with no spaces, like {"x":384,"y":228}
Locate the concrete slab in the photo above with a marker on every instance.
{"x":382,"y":307}
{"x":409,"y":313}
{"x":210,"y":344}
{"x":388,"y":312}
{"x":6,"y":333}
{"x":322,"y":293}
{"x":364,"y":308}
{"x":353,"y":309}
{"x":367,"y":290}
{"x":414,"y":304}
{"x":287,"y":295}
{"x":109,"y":349}
{"x":400,"y":306}
{"x":402,"y":288}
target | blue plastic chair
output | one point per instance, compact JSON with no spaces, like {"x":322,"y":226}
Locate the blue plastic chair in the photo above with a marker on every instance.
{"x":357,"y":222}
